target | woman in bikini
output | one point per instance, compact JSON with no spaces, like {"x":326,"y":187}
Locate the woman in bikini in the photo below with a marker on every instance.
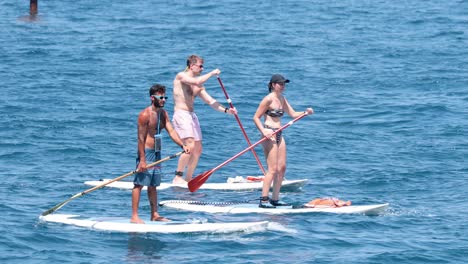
{"x":272,"y":108}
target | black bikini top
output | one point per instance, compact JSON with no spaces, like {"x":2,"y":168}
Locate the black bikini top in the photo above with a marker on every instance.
{"x":275,"y":112}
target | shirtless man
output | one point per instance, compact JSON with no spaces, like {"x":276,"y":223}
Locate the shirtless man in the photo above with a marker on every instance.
{"x":188,"y":84}
{"x":150,"y":123}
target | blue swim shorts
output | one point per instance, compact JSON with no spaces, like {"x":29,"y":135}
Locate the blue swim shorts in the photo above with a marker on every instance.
{"x":152,"y":176}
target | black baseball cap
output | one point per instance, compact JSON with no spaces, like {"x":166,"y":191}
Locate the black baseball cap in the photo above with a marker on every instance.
{"x":276,"y":78}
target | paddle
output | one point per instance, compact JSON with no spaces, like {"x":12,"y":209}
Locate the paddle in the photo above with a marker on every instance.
{"x":198,"y":181}
{"x":241,"y":127}
{"x":60,"y":205}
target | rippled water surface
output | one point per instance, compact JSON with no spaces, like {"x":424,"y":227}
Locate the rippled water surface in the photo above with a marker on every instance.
{"x":388,"y":82}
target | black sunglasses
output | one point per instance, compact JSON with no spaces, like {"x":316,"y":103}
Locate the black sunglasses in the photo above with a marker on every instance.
{"x":160,"y":97}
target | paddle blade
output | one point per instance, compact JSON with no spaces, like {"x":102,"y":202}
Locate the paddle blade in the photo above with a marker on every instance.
{"x":60,"y":205}
{"x":55,"y":208}
{"x":198,"y":181}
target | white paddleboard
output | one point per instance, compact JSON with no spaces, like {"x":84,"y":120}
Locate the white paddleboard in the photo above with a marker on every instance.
{"x":244,"y":208}
{"x":228,"y":186}
{"x":124,"y":225}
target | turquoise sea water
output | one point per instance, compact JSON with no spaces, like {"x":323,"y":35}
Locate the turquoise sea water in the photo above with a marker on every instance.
{"x":387,"y":79}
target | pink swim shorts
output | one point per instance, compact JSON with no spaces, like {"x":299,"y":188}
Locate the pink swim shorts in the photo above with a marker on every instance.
{"x":187,"y":125}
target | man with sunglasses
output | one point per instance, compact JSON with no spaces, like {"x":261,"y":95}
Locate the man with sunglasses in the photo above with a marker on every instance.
{"x":150,"y":123}
{"x":189,"y":84}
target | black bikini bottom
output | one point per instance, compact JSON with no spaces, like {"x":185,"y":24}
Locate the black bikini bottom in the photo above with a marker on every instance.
{"x":277,"y":135}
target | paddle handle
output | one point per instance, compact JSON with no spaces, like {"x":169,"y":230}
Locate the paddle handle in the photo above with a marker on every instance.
{"x":228,"y":99}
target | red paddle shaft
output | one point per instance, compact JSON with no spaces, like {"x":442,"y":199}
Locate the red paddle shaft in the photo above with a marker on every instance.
{"x":198,"y":181}
{"x":241,"y":127}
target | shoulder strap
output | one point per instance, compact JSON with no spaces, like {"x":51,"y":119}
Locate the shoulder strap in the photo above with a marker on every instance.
{"x":158,"y":131}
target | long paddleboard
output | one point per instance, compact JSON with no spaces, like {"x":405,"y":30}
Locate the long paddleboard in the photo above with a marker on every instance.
{"x":244,"y":208}
{"x":227,"y":186}
{"x":123,"y":225}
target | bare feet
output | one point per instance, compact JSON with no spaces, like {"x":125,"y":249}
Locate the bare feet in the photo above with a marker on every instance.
{"x":160,"y":218}
{"x":178,"y":180}
{"x":136,"y":220}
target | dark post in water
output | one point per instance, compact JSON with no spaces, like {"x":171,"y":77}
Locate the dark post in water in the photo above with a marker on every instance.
{"x":33,"y":7}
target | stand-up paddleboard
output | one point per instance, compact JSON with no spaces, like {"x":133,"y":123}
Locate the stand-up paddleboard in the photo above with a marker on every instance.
{"x":172,"y":227}
{"x":233,"y":185}
{"x":245,"y":207}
